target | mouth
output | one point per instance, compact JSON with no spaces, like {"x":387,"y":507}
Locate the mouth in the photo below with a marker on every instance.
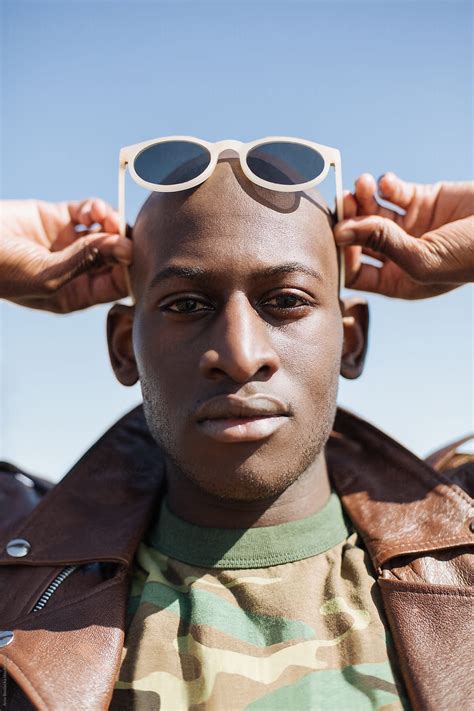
{"x":235,"y":419}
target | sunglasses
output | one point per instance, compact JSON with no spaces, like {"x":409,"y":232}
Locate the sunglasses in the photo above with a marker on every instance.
{"x":276,"y":162}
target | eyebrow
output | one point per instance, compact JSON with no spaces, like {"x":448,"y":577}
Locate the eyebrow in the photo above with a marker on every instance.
{"x":199,"y":273}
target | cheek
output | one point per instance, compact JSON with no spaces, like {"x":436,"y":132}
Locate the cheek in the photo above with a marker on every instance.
{"x":314,"y":358}
{"x":155,"y":352}
{"x":165,"y":367}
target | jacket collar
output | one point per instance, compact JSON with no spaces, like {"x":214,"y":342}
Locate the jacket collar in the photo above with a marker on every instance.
{"x":101,"y":509}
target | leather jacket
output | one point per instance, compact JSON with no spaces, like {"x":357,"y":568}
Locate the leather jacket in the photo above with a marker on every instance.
{"x":63,"y":591}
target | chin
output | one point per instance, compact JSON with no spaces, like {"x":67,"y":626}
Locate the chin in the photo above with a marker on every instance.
{"x":255,"y":473}
{"x":241,"y":485}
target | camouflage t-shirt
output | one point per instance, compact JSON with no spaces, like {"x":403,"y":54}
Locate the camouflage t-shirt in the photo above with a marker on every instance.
{"x":276,"y":617}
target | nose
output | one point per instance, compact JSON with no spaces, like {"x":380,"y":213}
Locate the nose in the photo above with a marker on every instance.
{"x":240,"y":347}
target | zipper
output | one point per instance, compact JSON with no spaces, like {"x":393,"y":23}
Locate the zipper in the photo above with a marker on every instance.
{"x":53,"y":586}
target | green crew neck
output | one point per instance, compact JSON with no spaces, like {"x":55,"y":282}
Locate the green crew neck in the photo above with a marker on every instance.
{"x":260,"y":547}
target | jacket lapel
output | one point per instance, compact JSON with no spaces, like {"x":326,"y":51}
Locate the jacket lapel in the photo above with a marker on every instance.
{"x":416,"y":527}
{"x":68,"y":657}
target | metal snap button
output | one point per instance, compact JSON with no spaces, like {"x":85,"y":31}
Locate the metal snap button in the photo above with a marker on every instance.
{"x":6,"y":637}
{"x":18,"y":547}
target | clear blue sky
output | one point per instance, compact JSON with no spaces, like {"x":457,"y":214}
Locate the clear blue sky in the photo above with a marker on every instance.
{"x":389,"y":83}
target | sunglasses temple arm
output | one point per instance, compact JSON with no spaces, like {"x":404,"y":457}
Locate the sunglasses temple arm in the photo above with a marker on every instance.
{"x":340,"y":217}
{"x":122,"y":223}
{"x":121,"y":197}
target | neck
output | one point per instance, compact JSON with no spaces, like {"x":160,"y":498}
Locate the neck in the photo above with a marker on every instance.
{"x":303,"y":497}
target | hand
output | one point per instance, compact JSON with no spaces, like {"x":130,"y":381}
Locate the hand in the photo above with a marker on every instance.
{"x":426,"y":251}
{"x":45,"y":263}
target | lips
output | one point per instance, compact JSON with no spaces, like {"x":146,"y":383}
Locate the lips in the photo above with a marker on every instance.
{"x":231,"y":418}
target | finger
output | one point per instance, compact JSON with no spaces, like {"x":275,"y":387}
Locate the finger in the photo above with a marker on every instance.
{"x":110,"y":286}
{"x":383,"y":236}
{"x":79,"y":212}
{"x":365,"y":189}
{"x":350,"y":204}
{"x":396,"y":190}
{"x":99,"y":210}
{"x":84,"y":216}
{"x":112,"y":248}
{"x":83,"y":255}
{"x":367,"y":198}
{"x":93,"y":212}
{"x":375,"y":255}
{"x":366,"y":278}
{"x":88,"y":211}
{"x":352,"y":262}
{"x":111,"y":222}
{"x":89,"y":289}
{"x":102,"y":213}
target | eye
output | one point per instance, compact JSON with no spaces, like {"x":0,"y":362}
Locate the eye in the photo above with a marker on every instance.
{"x":286,"y":301}
{"x":185,"y":305}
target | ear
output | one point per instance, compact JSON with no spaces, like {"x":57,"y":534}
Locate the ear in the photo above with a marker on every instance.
{"x":355,"y":320}
{"x":120,"y":342}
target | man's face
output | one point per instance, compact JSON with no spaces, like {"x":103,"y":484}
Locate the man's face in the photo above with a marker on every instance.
{"x":236,"y":291}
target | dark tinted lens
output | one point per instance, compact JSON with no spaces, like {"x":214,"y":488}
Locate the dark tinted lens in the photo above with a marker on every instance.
{"x":285,"y":163}
{"x":172,"y":162}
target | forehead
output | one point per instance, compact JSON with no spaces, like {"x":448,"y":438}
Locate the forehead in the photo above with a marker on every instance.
{"x":229,"y":224}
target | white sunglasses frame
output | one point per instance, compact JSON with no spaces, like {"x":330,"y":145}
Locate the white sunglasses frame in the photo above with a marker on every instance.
{"x":331,"y":157}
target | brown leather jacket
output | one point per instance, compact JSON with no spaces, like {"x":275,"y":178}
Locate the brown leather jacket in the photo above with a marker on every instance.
{"x":63,"y":599}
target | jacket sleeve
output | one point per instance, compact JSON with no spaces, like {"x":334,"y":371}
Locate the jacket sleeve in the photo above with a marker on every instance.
{"x":20,"y":492}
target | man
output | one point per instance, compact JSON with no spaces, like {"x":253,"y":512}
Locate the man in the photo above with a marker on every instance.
{"x":251,"y":587}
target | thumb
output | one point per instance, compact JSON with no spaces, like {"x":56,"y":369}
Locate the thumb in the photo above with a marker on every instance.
{"x":383,"y":235}
{"x":84,"y":255}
